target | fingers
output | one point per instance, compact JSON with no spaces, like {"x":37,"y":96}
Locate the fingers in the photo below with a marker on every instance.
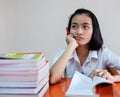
{"x":101,"y":73}
{"x":94,"y":73}
{"x":70,"y":40}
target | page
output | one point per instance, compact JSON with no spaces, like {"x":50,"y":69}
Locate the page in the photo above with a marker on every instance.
{"x":80,"y":85}
{"x":98,"y":80}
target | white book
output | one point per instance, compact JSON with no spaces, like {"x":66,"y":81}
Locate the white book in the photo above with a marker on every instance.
{"x":40,"y":94}
{"x":24,"y":91}
{"x":21,"y":65}
{"x":23,"y":84}
{"x":84,"y":86}
{"x":32,"y":57}
{"x":26,"y":75}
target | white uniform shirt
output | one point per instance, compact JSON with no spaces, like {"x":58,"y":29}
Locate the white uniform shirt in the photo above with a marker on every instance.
{"x":95,"y":60}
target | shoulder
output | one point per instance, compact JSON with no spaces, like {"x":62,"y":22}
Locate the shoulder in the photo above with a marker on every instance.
{"x":106,"y":52}
{"x":104,"y":49}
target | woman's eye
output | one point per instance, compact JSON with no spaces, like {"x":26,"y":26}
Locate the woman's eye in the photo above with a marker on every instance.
{"x":74,"y":26}
{"x":85,"y":27}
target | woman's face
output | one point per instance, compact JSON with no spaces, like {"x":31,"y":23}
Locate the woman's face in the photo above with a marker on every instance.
{"x":81,"y":29}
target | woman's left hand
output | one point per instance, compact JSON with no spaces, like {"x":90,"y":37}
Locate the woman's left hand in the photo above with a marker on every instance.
{"x":102,"y":73}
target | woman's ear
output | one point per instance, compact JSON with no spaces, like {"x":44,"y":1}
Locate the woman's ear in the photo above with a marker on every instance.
{"x":67,"y":31}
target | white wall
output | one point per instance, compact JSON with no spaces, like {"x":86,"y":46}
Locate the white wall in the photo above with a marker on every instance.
{"x":39,"y":25}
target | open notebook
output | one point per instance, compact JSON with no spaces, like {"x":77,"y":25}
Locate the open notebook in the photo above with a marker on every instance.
{"x":84,"y":86}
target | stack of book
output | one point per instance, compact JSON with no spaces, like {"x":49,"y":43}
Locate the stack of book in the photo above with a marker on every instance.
{"x":23,"y":74}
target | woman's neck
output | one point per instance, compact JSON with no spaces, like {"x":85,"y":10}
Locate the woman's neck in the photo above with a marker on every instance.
{"x":82,"y":53}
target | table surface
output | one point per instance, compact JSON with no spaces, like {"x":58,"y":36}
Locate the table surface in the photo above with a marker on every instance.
{"x":59,"y":89}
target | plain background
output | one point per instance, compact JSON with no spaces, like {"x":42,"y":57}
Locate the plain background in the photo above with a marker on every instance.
{"x":39,"y":25}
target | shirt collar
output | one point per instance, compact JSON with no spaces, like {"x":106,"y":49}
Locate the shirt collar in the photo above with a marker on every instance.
{"x":92,"y":54}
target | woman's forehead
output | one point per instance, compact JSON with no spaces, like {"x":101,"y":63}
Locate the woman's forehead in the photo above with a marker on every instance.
{"x":81,"y":18}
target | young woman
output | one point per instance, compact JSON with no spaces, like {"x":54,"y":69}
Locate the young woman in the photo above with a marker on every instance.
{"x":85,"y":52}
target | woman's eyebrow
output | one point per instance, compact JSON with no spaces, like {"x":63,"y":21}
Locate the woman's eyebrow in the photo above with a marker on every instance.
{"x":74,"y":23}
{"x":82,"y":23}
{"x":86,"y":24}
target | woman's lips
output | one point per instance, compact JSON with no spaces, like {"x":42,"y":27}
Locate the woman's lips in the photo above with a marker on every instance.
{"x":78,"y":38}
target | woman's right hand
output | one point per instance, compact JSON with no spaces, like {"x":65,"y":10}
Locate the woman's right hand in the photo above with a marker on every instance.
{"x":71,"y":41}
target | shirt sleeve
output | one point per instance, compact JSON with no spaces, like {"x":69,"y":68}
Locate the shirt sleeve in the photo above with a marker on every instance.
{"x":111,"y":59}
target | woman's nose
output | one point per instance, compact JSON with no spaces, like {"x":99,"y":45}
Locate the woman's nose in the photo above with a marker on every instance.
{"x":79,"y":31}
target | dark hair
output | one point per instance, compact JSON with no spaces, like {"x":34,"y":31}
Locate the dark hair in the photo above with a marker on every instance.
{"x":96,"y":41}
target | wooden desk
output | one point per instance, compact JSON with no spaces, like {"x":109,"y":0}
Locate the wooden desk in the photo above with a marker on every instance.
{"x":58,"y":90}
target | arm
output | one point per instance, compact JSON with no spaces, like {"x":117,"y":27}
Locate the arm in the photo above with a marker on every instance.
{"x":58,"y":68}
{"x":112,"y":70}
{"x":112,"y":62}
{"x":107,"y":75}
{"x":115,"y":73}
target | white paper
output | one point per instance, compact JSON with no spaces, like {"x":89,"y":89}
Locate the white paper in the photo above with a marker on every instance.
{"x":84,"y":86}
